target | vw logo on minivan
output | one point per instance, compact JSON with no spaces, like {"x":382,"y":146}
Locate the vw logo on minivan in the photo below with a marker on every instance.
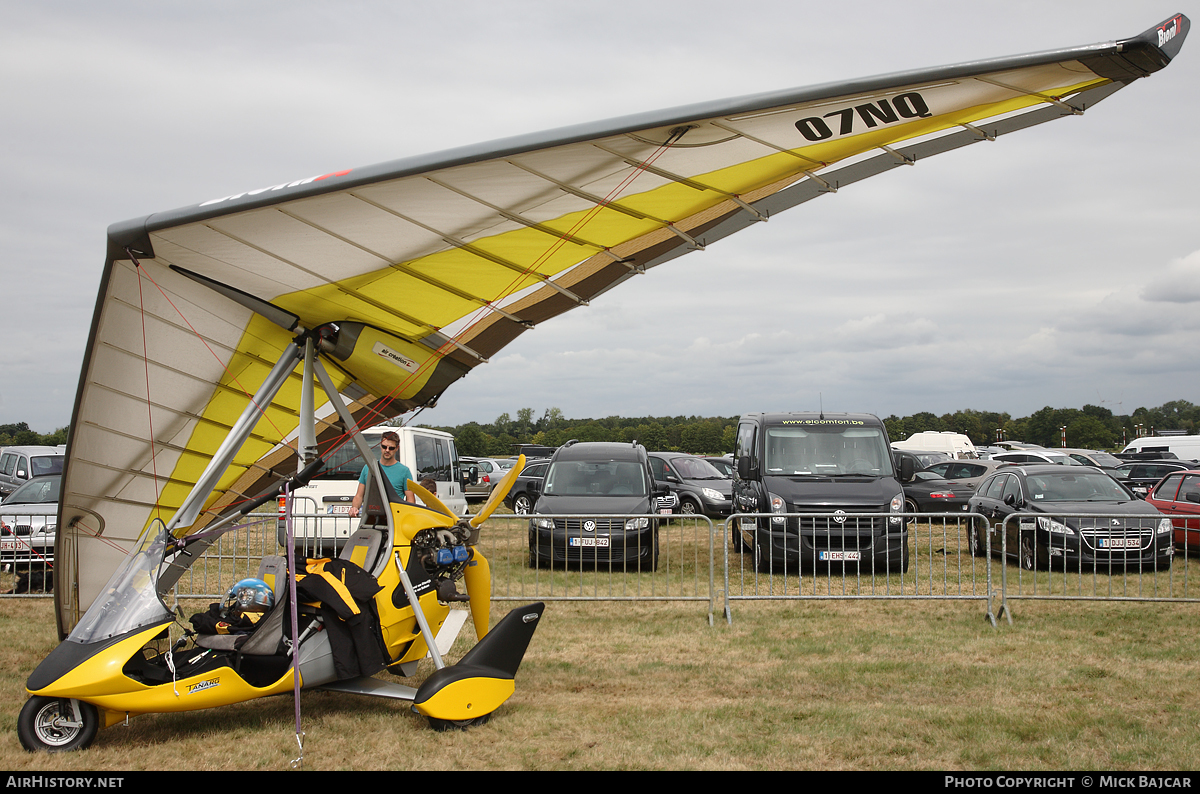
{"x":839,"y":516}
{"x":589,"y":526}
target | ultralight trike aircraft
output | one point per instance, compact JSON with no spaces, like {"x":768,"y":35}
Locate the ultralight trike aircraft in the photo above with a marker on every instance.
{"x":390,"y":283}
{"x":119,"y":660}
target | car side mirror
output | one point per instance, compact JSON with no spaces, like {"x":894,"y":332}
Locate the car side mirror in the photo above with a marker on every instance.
{"x":1010,"y":499}
{"x":660,"y":491}
{"x":908,"y":469}
{"x":534,"y":487}
{"x":745,"y":470}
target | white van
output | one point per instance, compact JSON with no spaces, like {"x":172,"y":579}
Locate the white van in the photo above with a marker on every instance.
{"x":321,"y":509}
{"x":956,"y":445}
{"x":1182,"y":447}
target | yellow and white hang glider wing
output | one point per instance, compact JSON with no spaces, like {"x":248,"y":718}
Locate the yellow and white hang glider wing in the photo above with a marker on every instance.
{"x":415,"y":271}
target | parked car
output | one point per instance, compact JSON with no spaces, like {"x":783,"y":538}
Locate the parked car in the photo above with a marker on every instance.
{"x":1125,"y":531}
{"x":723,"y":464}
{"x":1092,"y":457}
{"x":589,"y":483}
{"x":921,"y":458}
{"x":526,"y":487}
{"x":1143,"y":475}
{"x":484,"y":475}
{"x":1035,"y":456}
{"x":966,"y":472}
{"x":18,"y":464}
{"x":1178,"y":496}
{"x":28,"y":519}
{"x":926,"y":492}
{"x":698,"y":485}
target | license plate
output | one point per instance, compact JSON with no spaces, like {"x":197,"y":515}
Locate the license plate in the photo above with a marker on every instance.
{"x":839,"y":556}
{"x":13,"y":545}
{"x":600,"y":543}
{"x":1120,"y":543}
{"x":339,"y":510}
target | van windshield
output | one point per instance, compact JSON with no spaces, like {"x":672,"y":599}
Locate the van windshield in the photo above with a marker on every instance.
{"x":345,"y":463}
{"x":828,"y":451}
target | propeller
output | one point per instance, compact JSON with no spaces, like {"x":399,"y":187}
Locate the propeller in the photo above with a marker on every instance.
{"x":429,"y":500}
{"x":498,"y":493}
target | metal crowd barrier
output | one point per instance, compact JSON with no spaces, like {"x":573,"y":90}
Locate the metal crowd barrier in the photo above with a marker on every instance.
{"x":828,"y":556}
{"x":1124,"y":558}
{"x":543,"y":566}
{"x":945,"y":556}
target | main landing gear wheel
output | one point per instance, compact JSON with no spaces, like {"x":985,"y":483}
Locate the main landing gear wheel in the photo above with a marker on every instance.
{"x":55,"y":725}
{"x":457,"y":725}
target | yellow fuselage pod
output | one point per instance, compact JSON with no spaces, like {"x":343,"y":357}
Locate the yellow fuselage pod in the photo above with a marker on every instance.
{"x":401,"y":633}
{"x":100,"y":680}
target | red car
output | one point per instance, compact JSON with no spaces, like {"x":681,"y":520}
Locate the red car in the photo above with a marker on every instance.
{"x":1178,"y":496}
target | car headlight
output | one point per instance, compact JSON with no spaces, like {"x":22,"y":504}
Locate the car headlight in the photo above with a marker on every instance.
{"x":1056,"y":527}
{"x":716,"y":496}
{"x":1164,"y":526}
{"x":544,"y":523}
{"x":778,"y":506}
{"x":637,"y":523}
{"x":897,"y":506}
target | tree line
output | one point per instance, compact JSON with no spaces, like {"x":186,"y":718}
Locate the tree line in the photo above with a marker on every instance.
{"x":1090,"y":427}
{"x":19,"y":434}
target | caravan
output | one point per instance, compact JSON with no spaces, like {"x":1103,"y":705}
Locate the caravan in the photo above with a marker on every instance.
{"x":956,"y":445}
{"x":1182,"y":447}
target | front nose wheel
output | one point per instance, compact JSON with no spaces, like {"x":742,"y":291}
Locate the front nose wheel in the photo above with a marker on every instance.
{"x":55,"y":725}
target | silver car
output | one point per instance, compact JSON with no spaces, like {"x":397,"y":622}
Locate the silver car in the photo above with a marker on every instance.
{"x":28,"y":518}
{"x":489,"y":474}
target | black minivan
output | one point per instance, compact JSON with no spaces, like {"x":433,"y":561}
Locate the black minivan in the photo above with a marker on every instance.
{"x":595,"y":507}
{"x":831,"y":480}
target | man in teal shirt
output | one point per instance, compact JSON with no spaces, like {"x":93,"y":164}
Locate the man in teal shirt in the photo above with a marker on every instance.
{"x":396,"y":472}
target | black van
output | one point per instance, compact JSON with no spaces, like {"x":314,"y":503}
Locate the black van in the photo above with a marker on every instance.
{"x":834,"y":470}
{"x":608,"y":495}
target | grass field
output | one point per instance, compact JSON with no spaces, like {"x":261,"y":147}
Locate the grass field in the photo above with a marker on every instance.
{"x":792,"y":685}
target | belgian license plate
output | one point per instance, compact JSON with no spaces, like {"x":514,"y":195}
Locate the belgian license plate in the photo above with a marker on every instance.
{"x":601,"y":543}
{"x":1120,"y":543}
{"x":839,"y":556}
{"x":12,"y":545}
{"x":339,"y":510}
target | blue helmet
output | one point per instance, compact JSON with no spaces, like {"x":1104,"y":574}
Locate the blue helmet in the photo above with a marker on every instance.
{"x":248,"y":595}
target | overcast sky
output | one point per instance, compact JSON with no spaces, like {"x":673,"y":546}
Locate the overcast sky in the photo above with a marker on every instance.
{"x":1058,"y":266}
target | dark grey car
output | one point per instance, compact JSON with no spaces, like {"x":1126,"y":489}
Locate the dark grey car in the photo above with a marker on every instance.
{"x":1079,"y":519}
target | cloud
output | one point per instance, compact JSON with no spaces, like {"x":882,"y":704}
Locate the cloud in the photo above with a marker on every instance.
{"x":1179,"y":284}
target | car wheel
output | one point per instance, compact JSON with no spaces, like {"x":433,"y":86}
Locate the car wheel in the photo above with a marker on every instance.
{"x":1029,"y":553}
{"x":978,"y":545}
{"x":688,"y":507}
{"x":459,"y":725}
{"x":50,"y":724}
{"x":910,"y":507}
{"x":522,"y":504}
{"x":762,"y":563}
{"x":735,"y":538}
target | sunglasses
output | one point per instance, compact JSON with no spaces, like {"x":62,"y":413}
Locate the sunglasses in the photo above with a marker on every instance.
{"x":386,"y":446}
